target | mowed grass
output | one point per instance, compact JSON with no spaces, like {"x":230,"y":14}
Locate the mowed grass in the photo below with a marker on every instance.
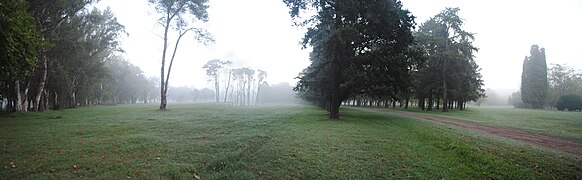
{"x":274,"y":142}
{"x":550,"y":122}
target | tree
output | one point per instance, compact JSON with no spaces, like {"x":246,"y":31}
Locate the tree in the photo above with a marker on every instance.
{"x":213,"y":68}
{"x":49,"y":15}
{"x":572,"y":102}
{"x":534,"y":78}
{"x":359,"y":46}
{"x":173,"y":14}
{"x":450,"y":68}
{"x":20,"y":43}
{"x":261,"y":77}
{"x":563,"y":80}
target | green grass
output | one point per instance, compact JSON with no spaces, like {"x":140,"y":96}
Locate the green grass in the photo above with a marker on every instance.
{"x":551,"y":122}
{"x":275,"y":142}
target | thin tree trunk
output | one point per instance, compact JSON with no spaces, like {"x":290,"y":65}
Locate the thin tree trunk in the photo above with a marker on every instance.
{"x":42,"y":82}
{"x":18,"y":103}
{"x":227,"y":85}
{"x":217,"y":88}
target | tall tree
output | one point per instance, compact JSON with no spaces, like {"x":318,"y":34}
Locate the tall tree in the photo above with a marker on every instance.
{"x":173,"y":17}
{"x":228,"y":72}
{"x":213,"y":68}
{"x":359,"y":46}
{"x":450,"y":68}
{"x":534,"y":78}
{"x":260,"y":78}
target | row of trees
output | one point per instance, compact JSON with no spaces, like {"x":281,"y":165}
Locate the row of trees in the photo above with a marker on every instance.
{"x":242,"y":84}
{"x":366,"y":51}
{"x":55,"y":53}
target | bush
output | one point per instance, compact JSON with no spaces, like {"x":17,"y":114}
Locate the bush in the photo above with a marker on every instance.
{"x":572,"y":102}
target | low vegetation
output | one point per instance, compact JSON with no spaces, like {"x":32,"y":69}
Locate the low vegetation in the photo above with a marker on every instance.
{"x":549,"y":122}
{"x":223,"y":142}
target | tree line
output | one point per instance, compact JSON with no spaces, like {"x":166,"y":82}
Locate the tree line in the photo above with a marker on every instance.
{"x":57,"y":54}
{"x":62,"y":54}
{"x":243,"y":85}
{"x":369,"y":52}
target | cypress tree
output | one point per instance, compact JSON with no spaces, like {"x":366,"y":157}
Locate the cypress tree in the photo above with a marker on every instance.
{"x":534,"y":79}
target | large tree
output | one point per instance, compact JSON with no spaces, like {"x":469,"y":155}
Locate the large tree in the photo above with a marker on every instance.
{"x":173,"y":16}
{"x":359,"y":46}
{"x":450,"y":69}
{"x":534,"y":79}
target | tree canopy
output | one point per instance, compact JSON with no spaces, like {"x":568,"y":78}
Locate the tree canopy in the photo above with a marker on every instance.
{"x":359,"y":46}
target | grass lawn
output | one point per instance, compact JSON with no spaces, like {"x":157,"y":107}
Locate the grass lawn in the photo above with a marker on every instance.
{"x":274,"y":142}
{"x":551,"y":122}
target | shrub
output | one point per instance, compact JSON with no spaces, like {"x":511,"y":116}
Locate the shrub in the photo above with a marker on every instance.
{"x":572,"y":102}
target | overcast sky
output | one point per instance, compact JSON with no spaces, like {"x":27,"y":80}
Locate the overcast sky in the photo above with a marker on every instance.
{"x":259,"y":34}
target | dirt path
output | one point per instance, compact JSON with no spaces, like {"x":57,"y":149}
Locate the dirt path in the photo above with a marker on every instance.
{"x":557,"y":143}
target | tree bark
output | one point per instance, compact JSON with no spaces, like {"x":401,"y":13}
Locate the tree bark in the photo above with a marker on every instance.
{"x":227,"y":85}
{"x":18,"y":103}
{"x":42,"y":82}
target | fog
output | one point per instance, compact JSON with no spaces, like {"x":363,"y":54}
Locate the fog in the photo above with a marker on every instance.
{"x":259,"y":34}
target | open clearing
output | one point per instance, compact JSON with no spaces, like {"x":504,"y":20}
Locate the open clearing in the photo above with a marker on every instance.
{"x":223,"y":142}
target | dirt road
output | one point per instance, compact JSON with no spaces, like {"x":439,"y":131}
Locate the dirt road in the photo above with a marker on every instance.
{"x":557,"y":143}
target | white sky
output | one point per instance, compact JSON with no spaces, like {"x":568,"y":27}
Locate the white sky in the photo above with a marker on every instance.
{"x":259,"y":34}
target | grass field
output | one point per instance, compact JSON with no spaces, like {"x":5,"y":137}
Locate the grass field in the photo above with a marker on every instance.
{"x":223,"y":142}
{"x":551,"y":122}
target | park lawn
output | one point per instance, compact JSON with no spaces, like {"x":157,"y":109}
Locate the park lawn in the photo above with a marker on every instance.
{"x":273,"y":142}
{"x":565,"y":124}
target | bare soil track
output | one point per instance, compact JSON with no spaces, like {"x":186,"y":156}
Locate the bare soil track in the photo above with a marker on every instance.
{"x":552,"y":142}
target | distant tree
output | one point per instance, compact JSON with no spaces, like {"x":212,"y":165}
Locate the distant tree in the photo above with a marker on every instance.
{"x":173,"y":16}
{"x":534,"y":79}
{"x":563,"y":80}
{"x":261,"y":77}
{"x":515,"y":100}
{"x":572,"y":102}
{"x":227,"y":83}
{"x":213,"y":68}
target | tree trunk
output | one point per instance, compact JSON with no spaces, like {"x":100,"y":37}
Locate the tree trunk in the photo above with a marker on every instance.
{"x":445,"y":108}
{"x":18,"y":103}
{"x":227,"y":85}
{"x":217,"y":88}
{"x":430,"y":100}
{"x":406,"y":105}
{"x":42,"y":82}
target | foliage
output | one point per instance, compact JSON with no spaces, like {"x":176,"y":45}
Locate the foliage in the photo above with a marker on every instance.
{"x":515,"y":100}
{"x":534,"y":79}
{"x":359,"y":47}
{"x":572,"y":102}
{"x":450,"y":69}
{"x":563,"y":80}
{"x":20,"y":42}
